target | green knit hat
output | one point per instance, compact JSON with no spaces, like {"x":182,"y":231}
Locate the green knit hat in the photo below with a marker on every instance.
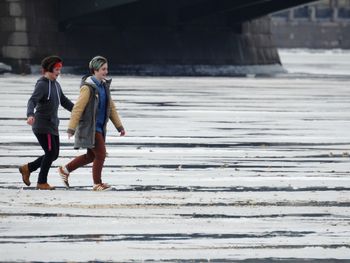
{"x":96,"y":63}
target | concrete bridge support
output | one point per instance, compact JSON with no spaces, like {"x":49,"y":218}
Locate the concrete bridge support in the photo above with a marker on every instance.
{"x":28,"y":31}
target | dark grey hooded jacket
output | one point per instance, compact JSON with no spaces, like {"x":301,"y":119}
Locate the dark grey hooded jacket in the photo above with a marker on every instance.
{"x":46,"y":98}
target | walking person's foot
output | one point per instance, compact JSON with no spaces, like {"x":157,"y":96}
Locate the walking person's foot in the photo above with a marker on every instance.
{"x":24,"y":170}
{"x":64,"y":174}
{"x":44,"y":186}
{"x":101,"y":187}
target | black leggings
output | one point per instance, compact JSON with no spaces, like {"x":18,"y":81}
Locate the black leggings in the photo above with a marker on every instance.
{"x":51,"y":146}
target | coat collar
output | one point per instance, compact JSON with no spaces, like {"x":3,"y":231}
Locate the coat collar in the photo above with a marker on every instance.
{"x":87,"y":79}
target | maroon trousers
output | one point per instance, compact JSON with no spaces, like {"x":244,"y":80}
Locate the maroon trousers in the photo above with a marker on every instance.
{"x":95,"y":155}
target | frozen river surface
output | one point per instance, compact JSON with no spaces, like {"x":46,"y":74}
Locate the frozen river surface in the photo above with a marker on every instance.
{"x":212,"y":170}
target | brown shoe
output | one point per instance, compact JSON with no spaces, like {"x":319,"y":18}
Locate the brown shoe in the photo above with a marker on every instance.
{"x":24,"y":170}
{"x":45,"y":186}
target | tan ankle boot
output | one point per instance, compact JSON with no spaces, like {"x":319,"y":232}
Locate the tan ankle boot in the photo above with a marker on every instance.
{"x":24,"y":170}
{"x":45,"y":186}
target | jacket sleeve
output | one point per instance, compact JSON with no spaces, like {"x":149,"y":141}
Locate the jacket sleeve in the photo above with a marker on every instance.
{"x":114,"y":117}
{"x":78,"y":109}
{"x":65,"y":102}
{"x":37,"y":95}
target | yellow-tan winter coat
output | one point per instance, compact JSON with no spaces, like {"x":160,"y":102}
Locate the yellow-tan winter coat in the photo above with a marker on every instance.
{"x":82,"y":122}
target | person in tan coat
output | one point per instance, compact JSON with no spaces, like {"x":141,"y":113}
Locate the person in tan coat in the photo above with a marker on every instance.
{"x":88,"y":123}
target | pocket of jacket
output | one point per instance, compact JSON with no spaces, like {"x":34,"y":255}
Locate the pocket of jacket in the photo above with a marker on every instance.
{"x":84,"y":129}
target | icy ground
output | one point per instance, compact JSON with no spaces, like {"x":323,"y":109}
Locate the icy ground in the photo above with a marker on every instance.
{"x":211,"y":170}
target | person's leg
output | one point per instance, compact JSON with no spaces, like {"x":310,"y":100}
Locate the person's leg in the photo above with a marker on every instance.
{"x":46,"y":143}
{"x":77,"y":162}
{"x":35,"y":165}
{"x":80,"y":161}
{"x":55,"y":147}
{"x":28,"y":168}
{"x":50,"y":144}
{"x":100,"y":155}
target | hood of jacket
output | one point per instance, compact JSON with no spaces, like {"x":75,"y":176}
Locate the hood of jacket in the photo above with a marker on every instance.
{"x":87,"y":80}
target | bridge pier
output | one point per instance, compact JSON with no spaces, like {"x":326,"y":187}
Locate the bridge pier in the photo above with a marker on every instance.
{"x":14,"y":35}
{"x":26,"y":34}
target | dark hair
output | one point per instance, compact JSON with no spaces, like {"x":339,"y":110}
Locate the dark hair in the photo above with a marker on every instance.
{"x":49,"y":62}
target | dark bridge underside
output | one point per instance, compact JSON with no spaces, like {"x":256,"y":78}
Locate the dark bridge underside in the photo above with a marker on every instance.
{"x":186,"y":37}
{"x":183,"y":11}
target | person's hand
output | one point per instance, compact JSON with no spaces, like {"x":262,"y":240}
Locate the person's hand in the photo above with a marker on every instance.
{"x":69,"y":135}
{"x":30,"y":120}
{"x":122,"y":133}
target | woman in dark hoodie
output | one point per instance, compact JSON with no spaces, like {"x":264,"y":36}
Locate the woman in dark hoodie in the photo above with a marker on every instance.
{"x":46,"y":98}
